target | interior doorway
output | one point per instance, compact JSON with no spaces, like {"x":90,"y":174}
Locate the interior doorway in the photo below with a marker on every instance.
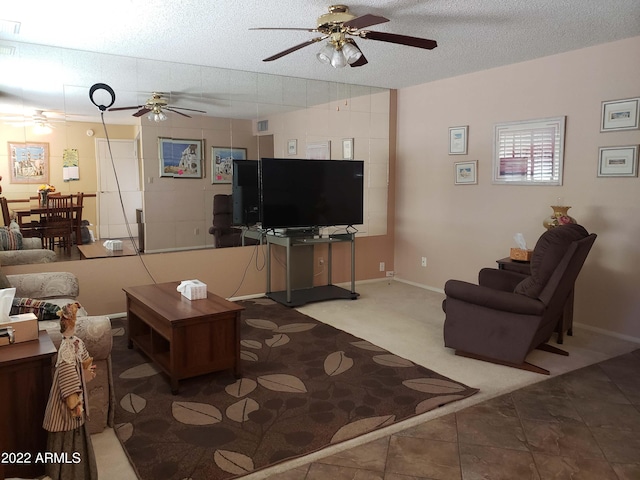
{"x":118,"y":189}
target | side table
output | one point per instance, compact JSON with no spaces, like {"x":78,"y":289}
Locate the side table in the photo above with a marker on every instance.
{"x":25,"y":382}
{"x":566,"y":323}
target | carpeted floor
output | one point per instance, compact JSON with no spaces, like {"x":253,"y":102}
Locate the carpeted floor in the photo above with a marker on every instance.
{"x":306,"y":385}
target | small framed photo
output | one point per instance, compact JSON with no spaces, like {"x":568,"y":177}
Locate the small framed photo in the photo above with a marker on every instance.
{"x":618,"y":161}
{"x":222,"y":163}
{"x":458,"y":140}
{"x":292,"y":147}
{"x":347,"y":149}
{"x":620,"y":115}
{"x":466,"y":173}
{"x":180,"y":158}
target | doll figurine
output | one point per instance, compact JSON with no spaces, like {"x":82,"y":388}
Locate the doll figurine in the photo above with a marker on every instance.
{"x":67,"y":407}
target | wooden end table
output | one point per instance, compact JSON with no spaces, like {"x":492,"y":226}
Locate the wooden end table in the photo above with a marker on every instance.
{"x":25,"y":382}
{"x":185,"y":338}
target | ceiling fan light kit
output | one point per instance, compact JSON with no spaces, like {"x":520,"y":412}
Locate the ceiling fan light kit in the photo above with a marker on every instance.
{"x":155,"y":108}
{"x":341,"y":51}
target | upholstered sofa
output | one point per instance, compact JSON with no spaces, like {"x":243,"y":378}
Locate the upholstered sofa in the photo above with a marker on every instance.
{"x":31,"y":252}
{"x":62,"y":288}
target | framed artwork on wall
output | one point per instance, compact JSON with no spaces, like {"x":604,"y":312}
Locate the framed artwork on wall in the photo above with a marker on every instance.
{"x":28,"y":162}
{"x":222,"y":163}
{"x":458,"y":140}
{"x":620,"y":115}
{"x":319,"y":150}
{"x":618,"y":161}
{"x":466,"y":173}
{"x":180,"y":158}
{"x":292,"y":147}
{"x":347,"y":149}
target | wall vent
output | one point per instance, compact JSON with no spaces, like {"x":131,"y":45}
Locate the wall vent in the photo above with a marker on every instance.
{"x":263,"y":125}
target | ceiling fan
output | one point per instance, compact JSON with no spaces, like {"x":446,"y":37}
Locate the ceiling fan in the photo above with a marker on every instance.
{"x":340,"y":50}
{"x":155,"y":107}
{"x":39,"y":120}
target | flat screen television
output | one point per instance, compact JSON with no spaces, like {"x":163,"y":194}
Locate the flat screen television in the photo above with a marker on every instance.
{"x":299,"y":193}
{"x":245,"y":193}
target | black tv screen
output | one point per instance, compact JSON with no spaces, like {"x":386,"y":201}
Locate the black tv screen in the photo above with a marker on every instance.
{"x":245,"y":193}
{"x":311,"y":193}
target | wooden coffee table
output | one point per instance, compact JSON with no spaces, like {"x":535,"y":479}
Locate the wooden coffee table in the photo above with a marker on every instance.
{"x":185,"y":338}
{"x":97,"y":250}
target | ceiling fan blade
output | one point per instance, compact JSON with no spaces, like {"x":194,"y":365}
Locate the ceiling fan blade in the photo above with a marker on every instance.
{"x":293,"y":49}
{"x":401,"y":39}
{"x":364,"y":21}
{"x":141,"y":112}
{"x":169,"y":107}
{"x":362,"y":60}
{"x":285,"y":28}
{"x":179,"y":113}
{"x":125,"y":108}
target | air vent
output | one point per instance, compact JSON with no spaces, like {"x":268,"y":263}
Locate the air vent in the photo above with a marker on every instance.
{"x":263,"y":125}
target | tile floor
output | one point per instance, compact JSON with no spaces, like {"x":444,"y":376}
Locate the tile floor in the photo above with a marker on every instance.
{"x":584,"y":425}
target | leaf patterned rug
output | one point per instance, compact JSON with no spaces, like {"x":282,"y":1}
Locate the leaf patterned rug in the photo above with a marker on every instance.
{"x":306,"y":385}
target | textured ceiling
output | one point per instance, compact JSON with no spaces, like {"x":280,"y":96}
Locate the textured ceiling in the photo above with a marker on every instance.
{"x":472,"y":35}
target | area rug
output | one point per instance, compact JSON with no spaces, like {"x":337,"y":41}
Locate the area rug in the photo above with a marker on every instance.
{"x":305,"y":386}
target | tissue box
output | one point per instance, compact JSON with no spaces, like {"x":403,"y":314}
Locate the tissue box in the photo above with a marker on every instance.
{"x":195,"y":290}
{"x":113,"y":244}
{"x":520,"y":255}
{"x":25,"y":327}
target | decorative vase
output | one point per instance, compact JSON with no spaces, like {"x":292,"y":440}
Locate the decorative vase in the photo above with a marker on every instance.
{"x":43,"y":198}
{"x":560,"y":217}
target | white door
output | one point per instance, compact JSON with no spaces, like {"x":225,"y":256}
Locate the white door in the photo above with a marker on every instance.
{"x":111,"y":218}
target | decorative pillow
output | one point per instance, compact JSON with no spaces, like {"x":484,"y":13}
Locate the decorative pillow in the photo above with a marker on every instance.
{"x":42,"y":309}
{"x":10,"y":239}
{"x":548,"y":252}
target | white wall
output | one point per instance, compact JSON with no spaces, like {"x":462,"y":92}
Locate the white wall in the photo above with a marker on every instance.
{"x":462,"y":228}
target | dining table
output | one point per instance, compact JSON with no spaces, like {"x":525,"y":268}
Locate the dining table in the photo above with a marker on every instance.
{"x":37,"y":210}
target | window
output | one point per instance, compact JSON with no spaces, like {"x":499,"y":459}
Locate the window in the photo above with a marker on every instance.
{"x":529,"y":152}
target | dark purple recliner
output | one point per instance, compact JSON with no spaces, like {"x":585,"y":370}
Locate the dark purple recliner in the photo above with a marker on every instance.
{"x":508,"y":314}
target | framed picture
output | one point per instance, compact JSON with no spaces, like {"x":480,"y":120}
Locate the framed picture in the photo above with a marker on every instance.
{"x":292,"y":147}
{"x":180,"y":158}
{"x":319,"y":150}
{"x":222,"y":163}
{"x":529,"y":152}
{"x":28,"y":162}
{"x":347,"y":149}
{"x":618,"y":161}
{"x":620,"y":115}
{"x":458,"y":140}
{"x":466,"y":173}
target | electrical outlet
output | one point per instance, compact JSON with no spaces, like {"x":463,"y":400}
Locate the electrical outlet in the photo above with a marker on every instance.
{"x":390,"y":273}
{"x":382,"y":266}
{"x":424,"y":261}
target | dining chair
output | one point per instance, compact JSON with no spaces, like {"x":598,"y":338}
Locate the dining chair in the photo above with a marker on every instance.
{"x":77,"y":218}
{"x":58,"y":222}
{"x":6,"y":216}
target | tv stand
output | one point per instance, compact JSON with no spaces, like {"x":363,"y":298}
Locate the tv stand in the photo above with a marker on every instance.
{"x":299,"y":269}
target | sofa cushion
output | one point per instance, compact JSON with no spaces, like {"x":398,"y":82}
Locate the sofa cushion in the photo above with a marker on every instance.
{"x":548,"y":252}
{"x":10,"y":239}
{"x":40,"y":308}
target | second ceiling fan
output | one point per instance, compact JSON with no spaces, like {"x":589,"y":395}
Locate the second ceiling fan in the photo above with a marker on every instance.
{"x":341,"y":50}
{"x":155,"y":107}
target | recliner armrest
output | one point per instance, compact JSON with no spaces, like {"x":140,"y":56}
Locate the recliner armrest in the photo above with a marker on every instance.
{"x":505,"y":280}
{"x":494,"y":299}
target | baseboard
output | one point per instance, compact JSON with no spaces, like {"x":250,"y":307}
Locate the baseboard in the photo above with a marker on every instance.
{"x":420,"y":285}
{"x":609,"y":333}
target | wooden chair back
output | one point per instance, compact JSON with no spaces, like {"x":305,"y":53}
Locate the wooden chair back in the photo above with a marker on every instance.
{"x":6,"y":216}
